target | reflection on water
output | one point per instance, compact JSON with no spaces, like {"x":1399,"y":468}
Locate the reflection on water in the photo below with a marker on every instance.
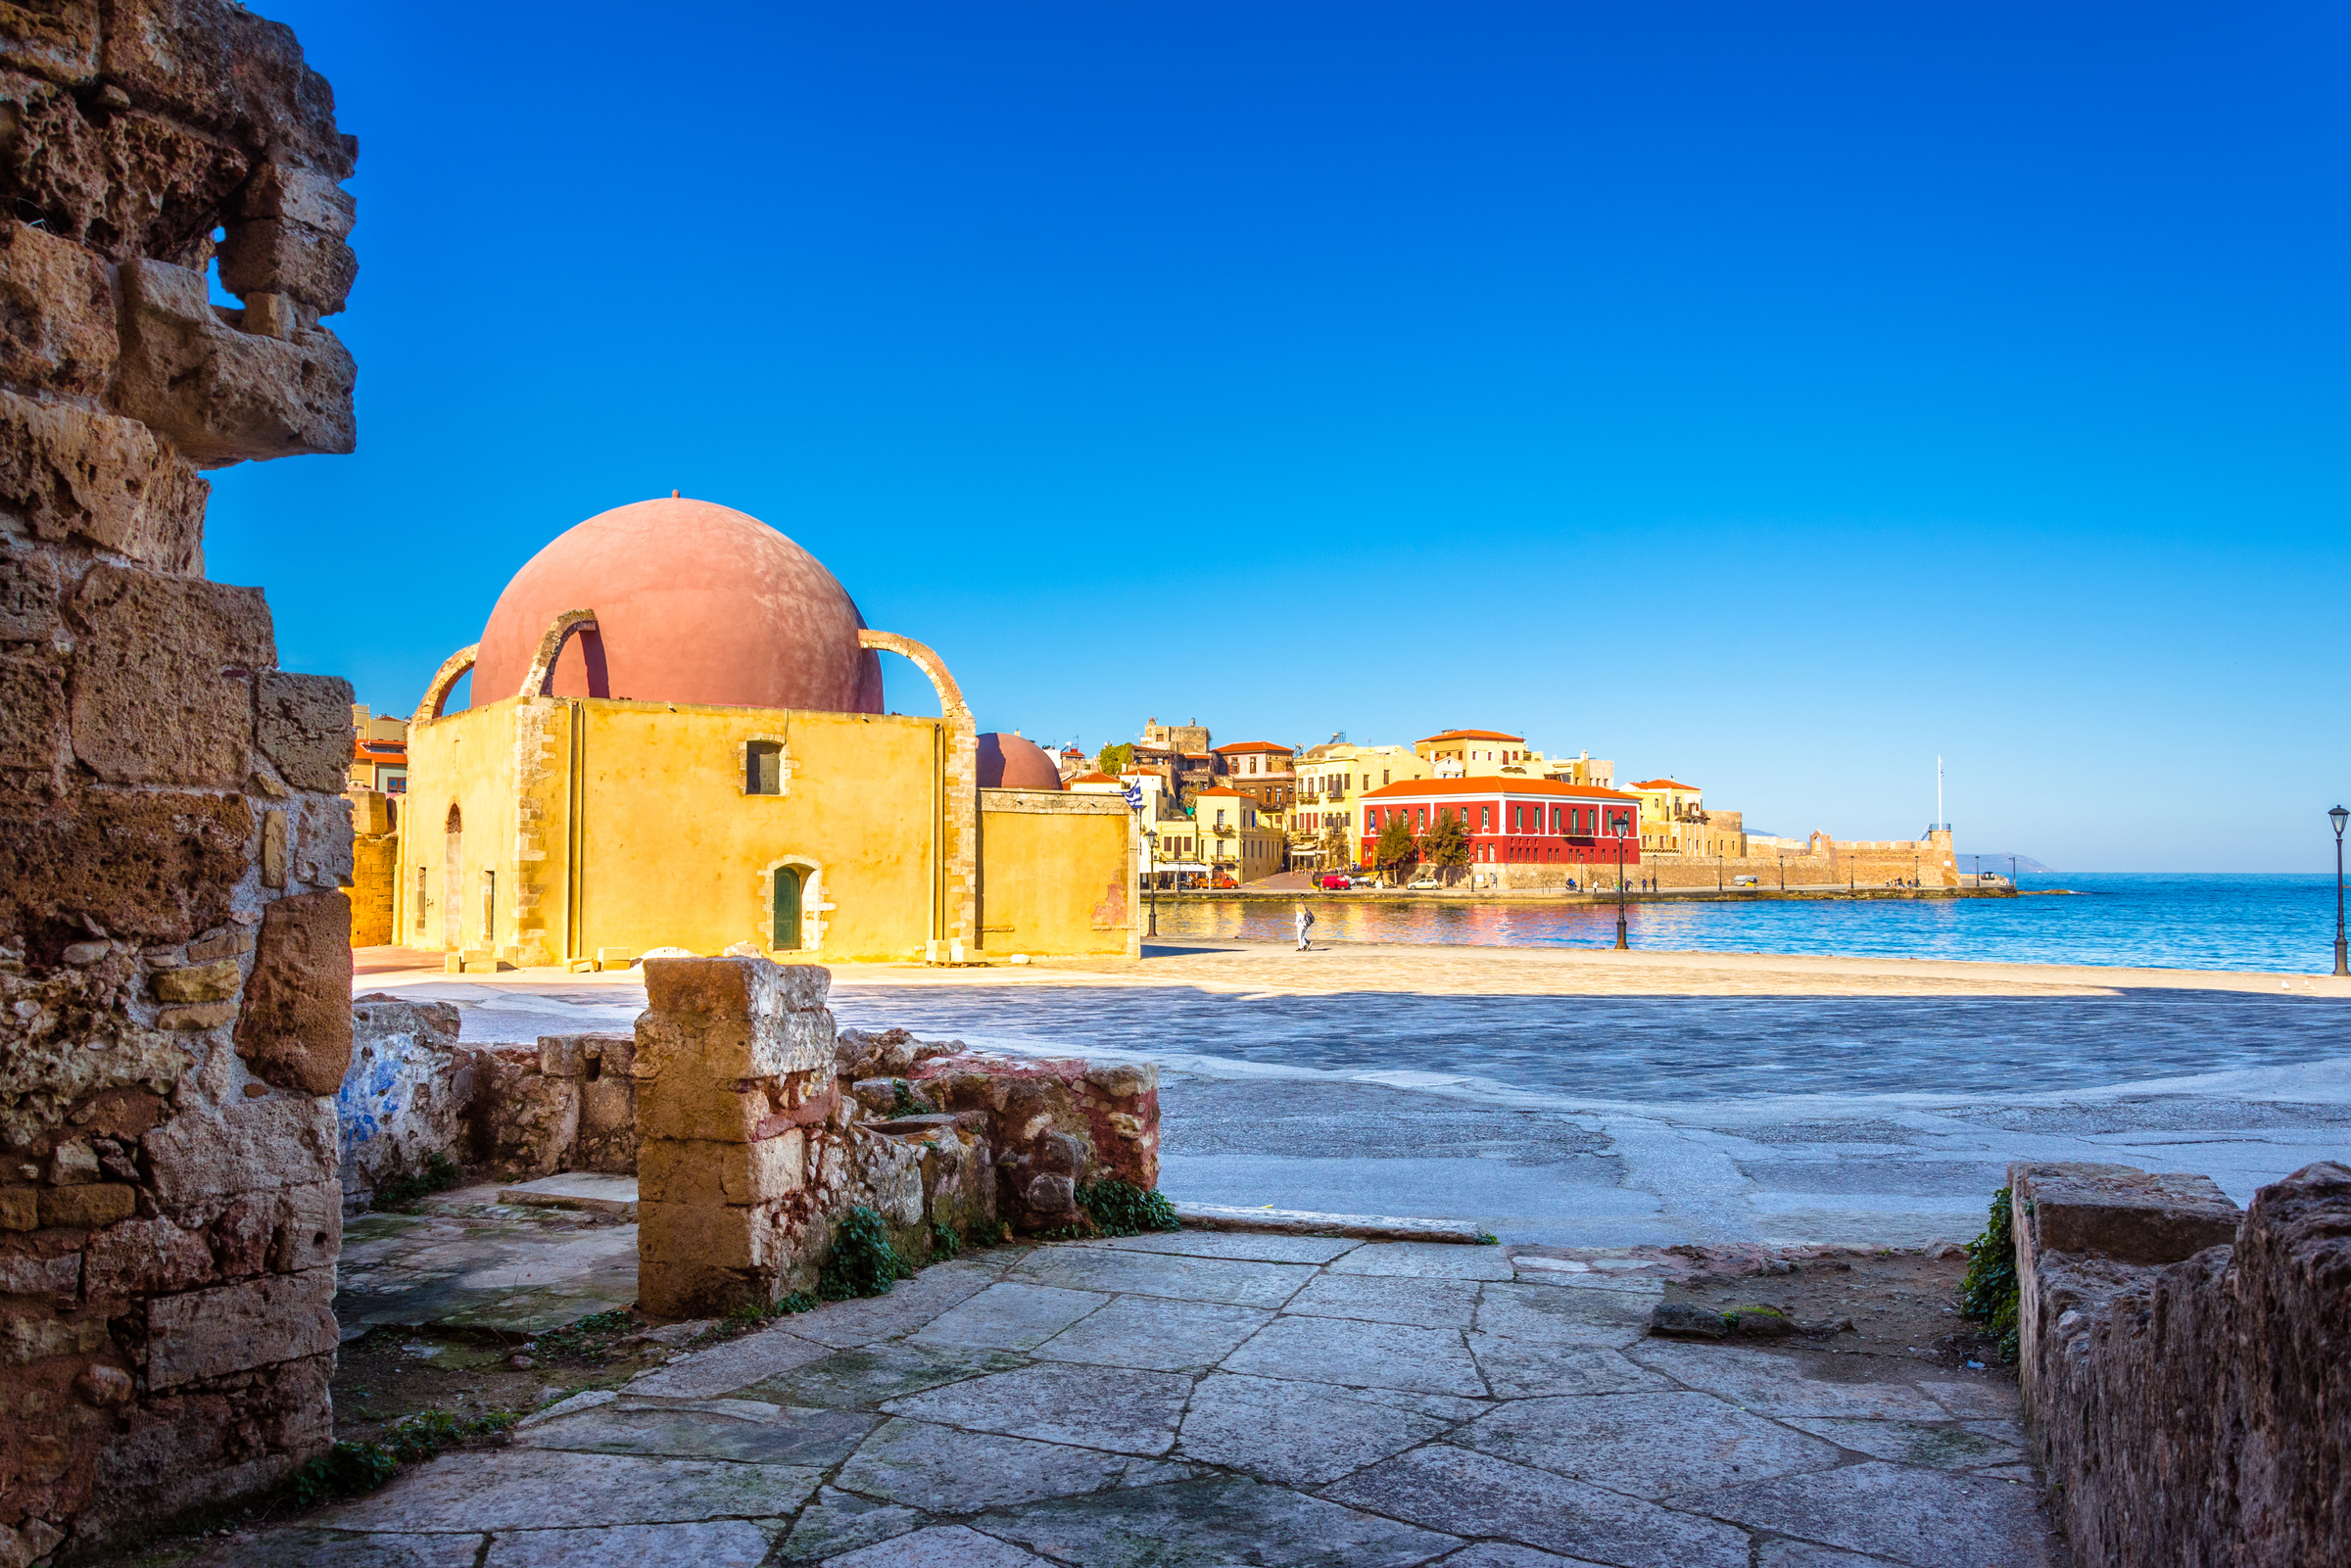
{"x":2279,"y":924}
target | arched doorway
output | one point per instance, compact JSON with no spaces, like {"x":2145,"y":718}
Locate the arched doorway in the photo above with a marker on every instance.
{"x":453,"y":879}
{"x":785,"y":933}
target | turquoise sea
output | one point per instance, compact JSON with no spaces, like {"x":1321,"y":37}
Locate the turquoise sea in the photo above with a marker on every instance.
{"x":2282,"y":924}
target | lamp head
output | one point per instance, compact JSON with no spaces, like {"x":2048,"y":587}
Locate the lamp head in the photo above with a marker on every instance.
{"x":2338,"y":814}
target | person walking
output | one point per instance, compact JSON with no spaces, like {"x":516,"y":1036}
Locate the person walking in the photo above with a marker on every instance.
{"x":1305,"y":920}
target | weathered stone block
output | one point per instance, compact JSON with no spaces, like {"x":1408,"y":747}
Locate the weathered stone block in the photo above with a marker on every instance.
{"x":27,"y":593}
{"x":519,"y":1122}
{"x":224,"y":396}
{"x":398,"y":1103}
{"x":308,"y":1229}
{"x":101,"y":1204}
{"x":249,"y":1146}
{"x":196,"y":1016}
{"x":305,"y":728}
{"x":57,"y":311}
{"x":20,"y":1207}
{"x":72,"y":472}
{"x":52,"y":38}
{"x":58,"y":1275}
{"x":153,"y":868}
{"x":234,"y":1328}
{"x":32,"y":715}
{"x":294,"y":1029}
{"x":303,"y":195}
{"x":150,"y":701}
{"x":144,"y":1257}
{"x":197,"y":983}
{"x":217,"y":65}
{"x":2131,"y":1216}
{"x":124,"y":183}
{"x":670,"y":1171}
{"x":276,"y":256}
{"x":716,"y":1110}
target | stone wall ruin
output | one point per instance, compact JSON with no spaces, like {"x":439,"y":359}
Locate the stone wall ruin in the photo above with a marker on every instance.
{"x":2187,"y":1369}
{"x":175,"y":955}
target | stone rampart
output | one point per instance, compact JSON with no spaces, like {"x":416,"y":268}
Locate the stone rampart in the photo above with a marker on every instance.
{"x":175,"y":953}
{"x":2187,"y":1370}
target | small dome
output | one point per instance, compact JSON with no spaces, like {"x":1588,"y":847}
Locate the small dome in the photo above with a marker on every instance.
{"x":1008,"y":762}
{"x":695,"y":603}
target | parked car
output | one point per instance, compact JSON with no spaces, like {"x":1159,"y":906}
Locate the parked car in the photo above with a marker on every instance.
{"x":1364,"y":882}
{"x":1742,"y":882}
{"x":1222,"y":882}
{"x":1427,"y":882}
{"x":1333,"y":882}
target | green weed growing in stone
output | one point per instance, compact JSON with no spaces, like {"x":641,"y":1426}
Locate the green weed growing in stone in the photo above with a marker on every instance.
{"x":1987,"y":1291}
{"x":752,"y":1313}
{"x":945,"y":1243}
{"x":863,"y":1262}
{"x":1122,"y":1209}
{"x":439,"y":1173}
{"x":1486,"y":1238}
{"x":341,"y":1471}
{"x":590,"y":1336}
{"x":348,"y":1468}
{"x":903,"y":1102}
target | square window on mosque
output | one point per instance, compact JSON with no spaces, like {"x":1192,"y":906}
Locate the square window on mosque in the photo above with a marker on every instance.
{"x":763,"y":769}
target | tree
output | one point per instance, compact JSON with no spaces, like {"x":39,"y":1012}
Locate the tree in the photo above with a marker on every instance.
{"x":1396,"y":849}
{"x":1446,"y":845}
{"x":1115,"y":759}
{"x":1339,"y":849}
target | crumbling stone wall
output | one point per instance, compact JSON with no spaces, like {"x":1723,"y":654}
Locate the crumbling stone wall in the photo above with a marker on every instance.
{"x":1054,"y":1127}
{"x":2187,"y":1371}
{"x":175,"y":954}
{"x":401,"y":1102}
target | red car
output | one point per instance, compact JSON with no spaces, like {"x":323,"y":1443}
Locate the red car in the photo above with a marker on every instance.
{"x":1333,"y":882}
{"x":1222,"y":882}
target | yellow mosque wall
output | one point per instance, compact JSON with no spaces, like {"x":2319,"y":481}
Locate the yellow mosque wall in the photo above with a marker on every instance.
{"x":1056,"y":873}
{"x":613,"y":823}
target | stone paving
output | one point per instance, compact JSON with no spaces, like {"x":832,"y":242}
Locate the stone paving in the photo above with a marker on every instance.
{"x":470,"y":1261}
{"x":1214,"y":1398}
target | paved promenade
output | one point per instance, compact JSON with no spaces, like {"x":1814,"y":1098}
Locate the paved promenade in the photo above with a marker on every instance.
{"x":1212,"y":1398}
{"x":1590,"y":1098}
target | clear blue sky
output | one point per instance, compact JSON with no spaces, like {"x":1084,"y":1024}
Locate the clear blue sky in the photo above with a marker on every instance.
{"x":1774,"y":396}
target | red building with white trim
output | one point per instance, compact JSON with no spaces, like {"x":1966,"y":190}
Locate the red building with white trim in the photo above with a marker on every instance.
{"x":1514,"y":822}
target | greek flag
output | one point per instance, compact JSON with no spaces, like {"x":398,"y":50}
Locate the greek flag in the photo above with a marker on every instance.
{"x":1134,"y":795}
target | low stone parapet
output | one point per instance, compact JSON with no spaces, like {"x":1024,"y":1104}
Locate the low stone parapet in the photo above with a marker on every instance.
{"x":2187,"y":1370}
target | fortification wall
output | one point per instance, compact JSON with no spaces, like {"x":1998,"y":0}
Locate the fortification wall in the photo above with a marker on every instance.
{"x":175,"y":955}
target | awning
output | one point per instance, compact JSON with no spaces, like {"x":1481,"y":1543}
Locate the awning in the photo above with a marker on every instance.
{"x":1180,"y":866}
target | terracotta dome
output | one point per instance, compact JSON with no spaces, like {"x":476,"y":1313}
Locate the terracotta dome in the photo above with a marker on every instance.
{"x":695,"y":603}
{"x":1008,"y":762}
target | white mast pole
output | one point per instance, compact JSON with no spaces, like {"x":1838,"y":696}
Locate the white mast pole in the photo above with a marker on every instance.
{"x":1939,"y":790}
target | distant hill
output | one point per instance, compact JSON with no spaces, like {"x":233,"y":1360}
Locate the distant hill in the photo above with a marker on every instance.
{"x":2026,"y":865}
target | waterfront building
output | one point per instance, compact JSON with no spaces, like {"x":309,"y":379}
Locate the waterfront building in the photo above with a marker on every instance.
{"x":1675,"y":820}
{"x":379,"y":754}
{"x":1535,"y":829}
{"x":1469,"y":753}
{"x":677,"y":739}
{"x":1327,"y":821}
{"x":1235,"y":837}
{"x":1263,"y":769}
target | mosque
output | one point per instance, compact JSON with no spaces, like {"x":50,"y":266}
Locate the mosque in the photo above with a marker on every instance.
{"x":676,"y":740}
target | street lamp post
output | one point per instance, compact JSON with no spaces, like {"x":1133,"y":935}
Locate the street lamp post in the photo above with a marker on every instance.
{"x":1621,"y":944}
{"x":1151,"y":853}
{"x":2338,"y":814}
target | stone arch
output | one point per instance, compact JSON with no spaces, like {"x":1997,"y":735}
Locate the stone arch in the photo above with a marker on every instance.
{"x":551,"y":648}
{"x":955,"y":890}
{"x":436,"y":692}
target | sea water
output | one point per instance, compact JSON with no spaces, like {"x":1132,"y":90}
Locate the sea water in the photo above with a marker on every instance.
{"x":2282,"y":924}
